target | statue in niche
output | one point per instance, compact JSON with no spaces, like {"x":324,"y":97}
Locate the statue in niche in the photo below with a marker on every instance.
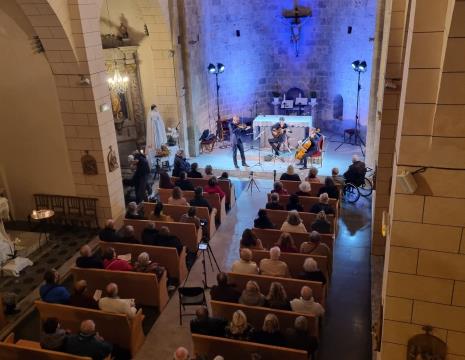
{"x":426,"y":347}
{"x":112,"y":160}
{"x":89,"y":164}
{"x":299,"y":15}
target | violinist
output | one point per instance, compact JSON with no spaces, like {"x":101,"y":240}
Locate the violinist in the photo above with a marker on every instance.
{"x":236,"y":130}
{"x":314,"y":137}
{"x":278,"y":131}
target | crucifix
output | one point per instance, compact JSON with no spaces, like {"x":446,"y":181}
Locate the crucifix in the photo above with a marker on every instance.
{"x":298,"y":16}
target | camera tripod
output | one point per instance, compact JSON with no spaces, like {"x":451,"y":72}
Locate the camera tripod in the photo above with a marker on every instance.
{"x":211,"y":256}
{"x":252,"y":183}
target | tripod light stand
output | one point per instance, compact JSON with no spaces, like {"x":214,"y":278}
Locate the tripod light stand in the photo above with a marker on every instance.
{"x":217,"y":69}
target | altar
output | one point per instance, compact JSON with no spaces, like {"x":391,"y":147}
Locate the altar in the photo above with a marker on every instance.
{"x":298,"y":127}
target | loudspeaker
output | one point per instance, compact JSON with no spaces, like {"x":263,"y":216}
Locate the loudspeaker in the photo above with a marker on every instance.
{"x":407,"y":182}
{"x":238,"y":33}
{"x":349,"y":30}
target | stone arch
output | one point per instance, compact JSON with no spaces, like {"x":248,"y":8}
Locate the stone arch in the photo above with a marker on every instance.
{"x":338,"y":107}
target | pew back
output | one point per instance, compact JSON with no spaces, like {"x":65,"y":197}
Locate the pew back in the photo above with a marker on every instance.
{"x":293,"y":186}
{"x":278,"y":217}
{"x":10,"y":351}
{"x":269,"y":237}
{"x":307,"y":202}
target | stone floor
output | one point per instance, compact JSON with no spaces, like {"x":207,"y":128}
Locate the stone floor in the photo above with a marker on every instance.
{"x":346,"y":329}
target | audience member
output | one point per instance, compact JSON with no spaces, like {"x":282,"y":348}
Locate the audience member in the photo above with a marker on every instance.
{"x":149,"y":234}
{"x":213,"y":188}
{"x":293,"y":223}
{"x":165,"y":181}
{"x":194,"y":172}
{"x":330,"y":188}
{"x":112,"y":302}
{"x":311,"y":271}
{"x":180,"y":163}
{"x":294,"y":203}
{"x":286,"y":243}
{"x":224,"y":291}
{"x":251,"y":295}
{"x":145,"y":265}
{"x":176,"y":197}
{"x":338,"y":179}
{"x":245,"y":265}
{"x":191,"y":217}
{"x":270,"y":333}
{"x":199,"y":200}
{"x":158,"y":214}
{"x":88,"y":343}
{"x":111,"y":261}
{"x":165,"y":238}
{"x":87,"y":260}
{"x":320,"y":224}
{"x":273,"y":266}
{"x":306,"y":303}
{"x":51,"y":291}
{"x":277,"y":297}
{"x":81,"y":297}
{"x":225,"y":177}
{"x":356,"y":172}
{"x":279,"y":189}
{"x":274,"y":204}
{"x":290,"y":175}
{"x":249,"y":240}
{"x":312,"y":175}
{"x":239,"y":328}
{"x":52,"y":337}
{"x":263,"y":221}
{"x":133,"y":212}
{"x":315,"y":246}
{"x":181,"y":353}
{"x":128,"y":235}
{"x":108,"y":233}
{"x":206,"y":325}
{"x":183,"y":183}
{"x":322,"y":205}
{"x":297,"y":337}
{"x":208,"y":171}
{"x":304,"y":189}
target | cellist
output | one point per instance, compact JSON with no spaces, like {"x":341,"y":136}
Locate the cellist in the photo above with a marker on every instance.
{"x":314,"y":137}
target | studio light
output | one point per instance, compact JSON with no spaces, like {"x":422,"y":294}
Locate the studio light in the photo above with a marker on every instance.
{"x":211,"y":69}
{"x":359,"y":65}
{"x":216,"y":70}
{"x":220,"y":67}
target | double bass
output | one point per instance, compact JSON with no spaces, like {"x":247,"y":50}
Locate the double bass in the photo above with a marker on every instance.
{"x":305,"y":145}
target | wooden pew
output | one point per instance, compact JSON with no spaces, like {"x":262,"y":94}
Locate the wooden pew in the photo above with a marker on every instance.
{"x":235,"y":349}
{"x":278,"y":217}
{"x":213,"y":200}
{"x":269,"y":237}
{"x":256,"y":315}
{"x":176,"y":211}
{"x":166,"y":256}
{"x":295,"y":262}
{"x":292,"y":286}
{"x":293,"y":186}
{"x":145,"y":288}
{"x":186,"y":232}
{"x":115,"y":328}
{"x":307,"y":202}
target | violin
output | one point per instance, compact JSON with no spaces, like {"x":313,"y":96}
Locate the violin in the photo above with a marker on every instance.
{"x":303,"y":147}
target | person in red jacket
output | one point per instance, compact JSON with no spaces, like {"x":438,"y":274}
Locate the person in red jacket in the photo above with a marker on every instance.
{"x":213,"y":187}
{"x":111,"y":261}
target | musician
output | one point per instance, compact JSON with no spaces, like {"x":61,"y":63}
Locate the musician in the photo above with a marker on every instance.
{"x":314,"y":137}
{"x":236,"y":130}
{"x":278,"y":131}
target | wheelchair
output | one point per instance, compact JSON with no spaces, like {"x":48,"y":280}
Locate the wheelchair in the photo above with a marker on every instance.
{"x":353,"y":190}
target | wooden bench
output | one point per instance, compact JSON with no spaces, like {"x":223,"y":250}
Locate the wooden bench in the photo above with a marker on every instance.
{"x":278,"y":217}
{"x":145,"y":288}
{"x":176,"y":211}
{"x":213,"y":200}
{"x":186,"y":232}
{"x":293,"y":186}
{"x":225,"y":185}
{"x":166,"y":256}
{"x":256,"y":315}
{"x":295,"y":262}
{"x":115,"y":328}
{"x":269,"y":237}
{"x":292,"y":286}
{"x":307,"y":202}
{"x":234,"y":349}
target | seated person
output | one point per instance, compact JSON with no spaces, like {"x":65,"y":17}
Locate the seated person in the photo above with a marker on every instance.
{"x":165,"y":181}
{"x":245,"y":265}
{"x":52,"y":336}
{"x":297,"y":337}
{"x":87,"y":260}
{"x":191,"y":217}
{"x":224,"y":176}
{"x":290,"y":175}
{"x":224,"y":291}
{"x":250,"y":241}
{"x":206,"y":325}
{"x":312,"y":175}
{"x":180,"y":163}
{"x":304,"y":189}
{"x":293,"y":223}
{"x":111,"y":261}
{"x":263,"y":221}
{"x":316,"y":247}
{"x":214,"y":188}
{"x":199,"y":200}
{"x":273,"y":266}
{"x":176,"y":197}
{"x":294,"y":203}
{"x":112,"y":302}
{"x":81,"y":297}
{"x":145,"y":265}
{"x":330,"y":188}
{"x":274,"y":204}
{"x":269,"y":334}
{"x":311,"y":271}
{"x":251,"y":295}
{"x":286,"y":243}
{"x":149,"y":234}
{"x":183,"y":183}
{"x":88,"y":343}
{"x":356,"y":172}
{"x":322,"y":205}
{"x":194,"y":171}
{"x":158,"y":213}
{"x":277,"y":297}
{"x":165,"y":238}
{"x":279,"y":189}
{"x":208,"y":171}
{"x":306,"y":303}
{"x":51,"y":291}
{"x":108,"y":233}
{"x":134,"y":212}
{"x":320,"y":224}
{"x":239,"y":328}
{"x":338,"y":179}
{"x":128,"y":235}
{"x":181,"y":353}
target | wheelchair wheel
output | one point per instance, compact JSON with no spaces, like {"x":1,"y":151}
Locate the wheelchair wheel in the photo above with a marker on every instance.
{"x":351,"y":193}
{"x":366,"y":188}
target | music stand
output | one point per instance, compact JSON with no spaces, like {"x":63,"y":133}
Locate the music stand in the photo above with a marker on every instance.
{"x":259,"y":137}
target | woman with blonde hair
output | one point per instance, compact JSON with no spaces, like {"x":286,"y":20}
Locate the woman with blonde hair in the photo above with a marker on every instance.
{"x":176,"y":197}
{"x":238,"y":328}
{"x":270,"y":333}
{"x":286,"y":243}
{"x":251,"y":295}
{"x":277,"y":297}
{"x":293,"y":223}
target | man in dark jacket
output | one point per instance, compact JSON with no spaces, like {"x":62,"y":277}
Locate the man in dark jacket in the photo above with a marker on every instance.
{"x":297,"y":337}
{"x":183,"y":183}
{"x":194,"y":172}
{"x":180,"y":163}
{"x":141,"y":176}
{"x":205,"y":325}
{"x":149,"y":234}
{"x":81,"y":297}
{"x":88,"y":343}
{"x":87,"y":260}
{"x":224,"y":291}
{"x":165,"y":238}
{"x":108,"y":233}
{"x":356,"y":172}
{"x":199,"y":200}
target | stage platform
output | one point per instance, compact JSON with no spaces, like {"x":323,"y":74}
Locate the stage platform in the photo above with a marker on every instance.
{"x":221,"y":160}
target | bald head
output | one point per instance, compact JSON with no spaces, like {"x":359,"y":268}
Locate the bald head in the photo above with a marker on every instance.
{"x":87,"y":327}
{"x":181,"y":353}
{"x":112,"y":290}
{"x":110,"y":224}
{"x":306,"y":293}
{"x":80,"y":286}
{"x":85,"y":251}
{"x":275,"y":253}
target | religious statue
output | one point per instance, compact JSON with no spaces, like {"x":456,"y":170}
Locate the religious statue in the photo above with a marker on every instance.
{"x":112,"y":160}
{"x":299,"y":15}
{"x":156,"y":133}
{"x":426,"y":346}
{"x":89,"y":164}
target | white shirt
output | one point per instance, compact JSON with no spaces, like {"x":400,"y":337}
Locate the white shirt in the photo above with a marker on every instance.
{"x":244,"y":267}
{"x":307,"y":307}
{"x":117,"y":305}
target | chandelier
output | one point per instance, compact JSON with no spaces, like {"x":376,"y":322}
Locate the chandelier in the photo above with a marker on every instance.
{"x":118,"y":83}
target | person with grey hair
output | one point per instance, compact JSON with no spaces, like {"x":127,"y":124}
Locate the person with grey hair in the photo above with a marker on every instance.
{"x":274,"y":204}
{"x":298,"y":337}
{"x":108,"y":233}
{"x":270,"y":333}
{"x":273,"y":266}
{"x":316,"y":247}
{"x":113,"y":303}
{"x":322,"y":205}
{"x":180,"y":163}
{"x":145,"y":265}
{"x":356,"y":172}
{"x":338,"y":179}
{"x":311,"y":271}
{"x":304,"y":189}
{"x":321,"y":224}
{"x":133,"y":211}
{"x":191,"y":217}
{"x":87,"y":260}
{"x":208,"y":172}
{"x":290,"y":174}
{"x":293,"y":223}
{"x":251,"y":295}
{"x":330,"y":188}
{"x":181,"y":353}
{"x":245,"y":265}
{"x":306,"y":303}
{"x":128,"y":235}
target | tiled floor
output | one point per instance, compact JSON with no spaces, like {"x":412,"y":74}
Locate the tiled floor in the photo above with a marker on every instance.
{"x":346,"y":329}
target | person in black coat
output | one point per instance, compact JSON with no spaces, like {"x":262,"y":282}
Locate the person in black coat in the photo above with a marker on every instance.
{"x":321,"y":224}
{"x":194,"y":172}
{"x":274,"y":204}
{"x":236,"y":131}
{"x":88,"y":343}
{"x":323,"y":205}
{"x":297,"y":337}
{"x":87,"y":260}
{"x":165,"y":238}
{"x":290,"y":175}
{"x":263,"y":221}
{"x":180,"y":163}
{"x":199,"y":200}
{"x":330,"y":188}
{"x":269,"y":334}
{"x":294,"y":203}
{"x":311,"y":271}
{"x":183,"y":183}
{"x":141,"y":176}
{"x":149,"y":234}
{"x":108,"y":233}
{"x":224,"y":291}
{"x":205,"y":325}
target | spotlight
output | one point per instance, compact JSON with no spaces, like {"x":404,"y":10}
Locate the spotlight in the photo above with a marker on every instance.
{"x":220,"y":67}
{"x":212,"y":69}
{"x":355,"y":64}
{"x":359,"y":65}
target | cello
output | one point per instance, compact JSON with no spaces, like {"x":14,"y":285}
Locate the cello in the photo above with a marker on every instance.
{"x":305,"y":145}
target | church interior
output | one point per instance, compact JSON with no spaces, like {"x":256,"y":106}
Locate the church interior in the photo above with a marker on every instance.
{"x":248,"y":179}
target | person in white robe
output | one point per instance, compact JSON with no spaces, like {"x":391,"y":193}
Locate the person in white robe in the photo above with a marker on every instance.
{"x":156,"y":133}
